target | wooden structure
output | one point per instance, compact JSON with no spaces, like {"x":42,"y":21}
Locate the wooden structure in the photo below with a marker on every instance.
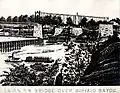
{"x":8,"y":44}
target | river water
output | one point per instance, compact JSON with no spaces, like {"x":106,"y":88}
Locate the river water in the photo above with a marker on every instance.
{"x":55,"y":55}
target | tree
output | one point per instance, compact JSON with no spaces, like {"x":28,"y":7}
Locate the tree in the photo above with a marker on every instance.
{"x":41,"y":21}
{"x":118,"y":20}
{"x":22,"y":75}
{"x":20,"y":19}
{"x":2,"y":19}
{"x":83,"y":21}
{"x":31,"y":18}
{"x":25,"y":18}
{"x":54,"y":20}
{"x":15,"y":19}
{"x":19,"y":75}
{"x":69,"y":21}
{"x":105,"y":22}
{"x":59,"y":20}
{"x":47,"y":20}
{"x":9,"y":19}
{"x":91,"y":22}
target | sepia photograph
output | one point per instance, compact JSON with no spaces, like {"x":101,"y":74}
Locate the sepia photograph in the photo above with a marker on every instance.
{"x":60,"y":43}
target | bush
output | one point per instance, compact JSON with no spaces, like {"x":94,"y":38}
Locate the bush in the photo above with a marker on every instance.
{"x":21,"y":75}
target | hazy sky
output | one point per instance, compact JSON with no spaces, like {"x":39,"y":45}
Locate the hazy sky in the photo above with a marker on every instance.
{"x":109,"y":8}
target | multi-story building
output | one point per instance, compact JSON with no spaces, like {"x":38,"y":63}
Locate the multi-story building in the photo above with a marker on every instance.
{"x":17,"y":29}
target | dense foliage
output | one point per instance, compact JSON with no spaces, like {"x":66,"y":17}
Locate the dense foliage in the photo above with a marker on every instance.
{"x":57,"y":20}
{"x":21,"y":75}
{"x":71,"y":67}
{"x":76,"y":61}
{"x":78,"y":67}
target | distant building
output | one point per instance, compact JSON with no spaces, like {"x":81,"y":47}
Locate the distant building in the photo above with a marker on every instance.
{"x":76,"y":18}
{"x":22,"y":29}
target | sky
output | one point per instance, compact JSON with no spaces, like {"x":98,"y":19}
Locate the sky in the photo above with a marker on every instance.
{"x":105,"y":8}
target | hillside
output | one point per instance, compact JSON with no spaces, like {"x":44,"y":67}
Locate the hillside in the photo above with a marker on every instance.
{"x":104,"y":69}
